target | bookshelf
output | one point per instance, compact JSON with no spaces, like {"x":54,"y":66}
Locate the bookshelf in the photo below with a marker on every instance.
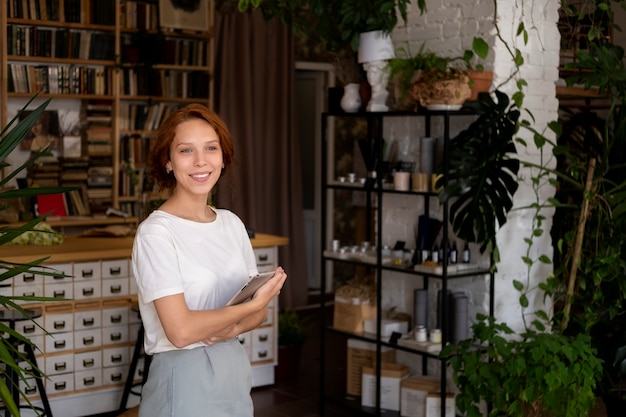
{"x":122,"y":67}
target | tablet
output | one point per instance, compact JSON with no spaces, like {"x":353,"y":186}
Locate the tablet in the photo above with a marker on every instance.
{"x":248,"y":290}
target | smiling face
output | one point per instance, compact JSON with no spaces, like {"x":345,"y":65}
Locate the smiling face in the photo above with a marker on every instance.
{"x":195,"y":157}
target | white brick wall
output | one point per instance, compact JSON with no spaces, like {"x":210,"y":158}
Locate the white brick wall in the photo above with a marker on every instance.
{"x":448,"y":27}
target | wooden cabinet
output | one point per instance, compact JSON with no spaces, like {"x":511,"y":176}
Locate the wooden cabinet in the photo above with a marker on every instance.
{"x":113,"y":72}
{"x":89,"y":335}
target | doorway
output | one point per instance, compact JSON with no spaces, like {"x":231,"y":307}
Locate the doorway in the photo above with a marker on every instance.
{"x":312,"y":82}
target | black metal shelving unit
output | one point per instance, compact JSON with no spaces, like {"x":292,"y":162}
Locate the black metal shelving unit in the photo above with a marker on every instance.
{"x":374,"y":192}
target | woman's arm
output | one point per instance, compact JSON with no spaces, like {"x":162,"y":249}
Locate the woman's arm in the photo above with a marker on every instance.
{"x":184,"y":327}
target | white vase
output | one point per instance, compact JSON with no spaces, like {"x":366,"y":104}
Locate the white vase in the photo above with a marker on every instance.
{"x":351,"y":100}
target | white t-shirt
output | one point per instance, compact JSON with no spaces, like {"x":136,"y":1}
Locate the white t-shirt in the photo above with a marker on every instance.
{"x":207,"y":262}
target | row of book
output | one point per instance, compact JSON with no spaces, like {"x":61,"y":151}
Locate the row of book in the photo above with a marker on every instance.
{"x":167,"y":51}
{"x":76,"y":11}
{"x":60,"y":79}
{"x":165,"y":83}
{"x":139,"y":116}
{"x":134,"y":148}
{"x":60,"y":43}
{"x":136,"y":15}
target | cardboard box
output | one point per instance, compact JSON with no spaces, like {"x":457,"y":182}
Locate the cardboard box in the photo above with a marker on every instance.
{"x":391,"y":376}
{"x":387,"y":326}
{"x":413,"y":393}
{"x":363,"y":354}
{"x":349,"y":314}
{"x":433,"y":405}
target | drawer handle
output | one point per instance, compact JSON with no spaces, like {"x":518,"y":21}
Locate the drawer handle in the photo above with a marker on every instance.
{"x":116,"y":336}
{"x":59,"y":324}
{"x":263,"y":258}
{"x":28,"y":294}
{"x":116,"y":358}
{"x":59,"y":278}
{"x":116,"y":377}
{"x":89,"y":381}
{"x":140,"y":372}
{"x":87,"y":273}
{"x":115,"y":271}
{"x":263,"y":338}
{"x":242,"y":340}
{"x":88,"y":291}
{"x":88,"y":321}
{"x":263,"y":354}
{"x":116,"y":318}
{"x":59,"y":344}
{"x":88,"y":363}
{"x":62,"y":366}
{"x":59,"y":386}
{"x":116,"y":289}
{"x":28,"y":278}
{"x":59,"y":293}
{"x":30,"y":390}
{"x":29,"y":328}
{"x":88,"y":340}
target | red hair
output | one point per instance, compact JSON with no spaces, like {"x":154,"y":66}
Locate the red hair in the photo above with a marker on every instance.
{"x":160,"y":147}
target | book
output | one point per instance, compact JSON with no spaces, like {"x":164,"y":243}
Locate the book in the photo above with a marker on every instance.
{"x":54,"y":204}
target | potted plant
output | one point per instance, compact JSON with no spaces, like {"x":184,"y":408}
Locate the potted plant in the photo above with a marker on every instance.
{"x":292,"y":332}
{"x":11,"y":136}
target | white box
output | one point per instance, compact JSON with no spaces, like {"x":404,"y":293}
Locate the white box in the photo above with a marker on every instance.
{"x":363,"y":354}
{"x":387,"y":326}
{"x":414,"y":391}
{"x":391,"y":375}
{"x":433,"y":405}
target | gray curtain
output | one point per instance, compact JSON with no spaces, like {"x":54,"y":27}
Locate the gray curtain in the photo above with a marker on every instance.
{"x":254,"y":94}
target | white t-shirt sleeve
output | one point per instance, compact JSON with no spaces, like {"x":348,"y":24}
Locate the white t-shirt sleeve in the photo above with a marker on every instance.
{"x":157,"y":271}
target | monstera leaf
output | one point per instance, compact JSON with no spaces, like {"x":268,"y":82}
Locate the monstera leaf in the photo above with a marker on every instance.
{"x":482,"y":172}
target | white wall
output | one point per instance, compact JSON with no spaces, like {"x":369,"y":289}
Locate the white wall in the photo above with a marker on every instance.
{"x":448,"y":27}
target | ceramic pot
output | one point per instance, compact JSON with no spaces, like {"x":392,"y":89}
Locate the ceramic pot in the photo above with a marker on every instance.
{"x":351,"y":100}
{"x":480,"y":83}
{"x":452,"y":91}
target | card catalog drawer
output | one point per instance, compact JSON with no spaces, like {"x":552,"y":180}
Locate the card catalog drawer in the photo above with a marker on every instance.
{"x":114,"y":375}
{"x":60,"y":290}
{"x":88,"y":289}
{"x":59,"y":322}
{"x":115,"y":268}
{"x":87,"y":319}
{"x":86,"y":339}
{"x":116,"y":356}
{"x":246,"y":341}
{"x":87,"y":270}
{"x":262,"y":344}
{"x":27,"y":278}
{"x":85,"y":361}
{"x":30,"y":328}
{"x":114,"y":335}
{"x":59,"y":342}
{"x":60,"y":384}
{"x":88,"y":379}
{"x":28,"y":291}
{"x":115,"y":316}
{"x":65,"y":269}
{"x":29,"y":387}
{"x":59,"y":364}
{"x":115,"y":287}
{"x":264,"y":256}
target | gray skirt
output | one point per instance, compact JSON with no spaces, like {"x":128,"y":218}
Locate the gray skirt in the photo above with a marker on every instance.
{"x":207,"y":381}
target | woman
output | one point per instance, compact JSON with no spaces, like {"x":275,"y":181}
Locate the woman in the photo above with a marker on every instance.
{"x":189,"y":259}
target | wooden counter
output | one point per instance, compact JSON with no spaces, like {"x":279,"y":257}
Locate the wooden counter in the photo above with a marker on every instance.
{"x":76,"y":249}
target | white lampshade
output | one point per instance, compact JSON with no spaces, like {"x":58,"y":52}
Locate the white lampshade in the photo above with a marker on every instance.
{"x":375,"y":46}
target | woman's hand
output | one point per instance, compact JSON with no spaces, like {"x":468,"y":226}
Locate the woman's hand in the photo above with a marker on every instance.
{"x":271,"y":288}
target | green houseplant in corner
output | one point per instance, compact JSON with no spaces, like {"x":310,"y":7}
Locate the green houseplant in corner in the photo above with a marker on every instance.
{"x":11,"y":136}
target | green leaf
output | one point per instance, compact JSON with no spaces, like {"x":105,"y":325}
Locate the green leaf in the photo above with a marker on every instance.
{"x":480,"y":47}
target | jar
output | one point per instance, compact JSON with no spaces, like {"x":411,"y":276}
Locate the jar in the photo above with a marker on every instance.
{"x":435,"y":336}
{"x":421,"y":334}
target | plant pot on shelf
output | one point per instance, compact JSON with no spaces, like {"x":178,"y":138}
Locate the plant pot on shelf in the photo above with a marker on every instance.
{"x":480,"y":82}
{"x":438,"y":88}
